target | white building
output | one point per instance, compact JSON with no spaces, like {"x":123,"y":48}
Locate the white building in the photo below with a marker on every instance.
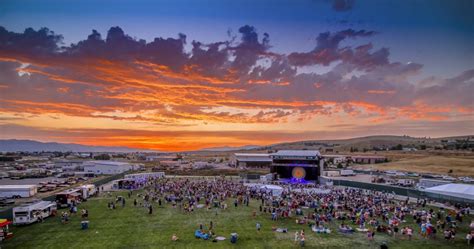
{"x":69,"y":165}
{"x":107,"y":167}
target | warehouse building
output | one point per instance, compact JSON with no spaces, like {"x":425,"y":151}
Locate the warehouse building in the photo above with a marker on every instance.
{"x":252,"y":160}
{"x":107,"y":167}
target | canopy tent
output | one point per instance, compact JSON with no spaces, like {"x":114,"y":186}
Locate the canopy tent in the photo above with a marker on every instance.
{"x":463,"y":191}
{"x":312,"y":190}
{"x":4,"y":233}
{"x":276,"y":190}
{"x":4,"y":222}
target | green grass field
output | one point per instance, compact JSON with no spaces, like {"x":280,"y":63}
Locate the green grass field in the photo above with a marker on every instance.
{"x":132,"y":227}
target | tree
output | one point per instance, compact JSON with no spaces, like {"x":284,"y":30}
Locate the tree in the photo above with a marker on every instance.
{"x":397,"y":147}
{"x":102,"y":157}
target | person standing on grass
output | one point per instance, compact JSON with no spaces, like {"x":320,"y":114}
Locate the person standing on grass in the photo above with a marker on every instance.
{"x":84,"y":213}
{"x":468,"y":238}
{"x":409,"y":232}
{"x":150,"y":209}
{"x":395,"y":231}
{"x":297,"y":237}
{"x":258,"y":226}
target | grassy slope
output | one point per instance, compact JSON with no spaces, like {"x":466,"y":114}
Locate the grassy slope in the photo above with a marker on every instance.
{"x":131,"y":227}
{"x":425,"y":163}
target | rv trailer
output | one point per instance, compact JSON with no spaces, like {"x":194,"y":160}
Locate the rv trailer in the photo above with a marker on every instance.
{"x":32,"y":212}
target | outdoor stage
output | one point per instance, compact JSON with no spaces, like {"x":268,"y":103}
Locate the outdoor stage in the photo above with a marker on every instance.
{"x":297,"y":166}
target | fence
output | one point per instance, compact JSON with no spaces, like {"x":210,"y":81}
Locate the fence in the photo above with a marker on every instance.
{"x":414,"y":193}
{"x":7,"y":213}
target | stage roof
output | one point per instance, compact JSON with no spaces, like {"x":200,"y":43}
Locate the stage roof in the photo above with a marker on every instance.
{"x":248,"y":157}
{"x":305,"y":153}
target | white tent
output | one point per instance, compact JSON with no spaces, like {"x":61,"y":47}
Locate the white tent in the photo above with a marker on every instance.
{"x":276,"y":190}
{"x":464,"y":191}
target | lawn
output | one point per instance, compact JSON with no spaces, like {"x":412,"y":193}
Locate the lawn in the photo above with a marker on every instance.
{"x":433,"y":164}
{"x":132,"y":227}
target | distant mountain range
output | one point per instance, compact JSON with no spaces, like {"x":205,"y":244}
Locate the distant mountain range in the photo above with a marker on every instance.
{"x":13,"y":145}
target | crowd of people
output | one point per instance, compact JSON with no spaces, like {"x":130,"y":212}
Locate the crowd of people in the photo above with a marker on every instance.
{"x":355,"y":210}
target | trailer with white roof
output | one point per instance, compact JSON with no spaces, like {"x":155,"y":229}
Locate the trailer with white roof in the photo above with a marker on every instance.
{"x":18,"y":191}
{"x":33,"y":212}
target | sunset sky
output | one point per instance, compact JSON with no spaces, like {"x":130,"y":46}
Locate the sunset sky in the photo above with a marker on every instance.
{"x":184,"y":75}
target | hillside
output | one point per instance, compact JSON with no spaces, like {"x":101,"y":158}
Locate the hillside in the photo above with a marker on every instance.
{"x":360,"y":143}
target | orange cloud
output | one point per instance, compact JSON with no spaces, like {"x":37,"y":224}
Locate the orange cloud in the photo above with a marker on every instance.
{"x":221,"y":84}
{"x":380,"y":92}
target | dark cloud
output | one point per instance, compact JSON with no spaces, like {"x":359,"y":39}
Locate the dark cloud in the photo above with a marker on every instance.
{"x":93,"y":45}
{"x":457,"y":91}
{"x":343,"y":5}
{"x":168,"y":52}
{"x":250,"y":49}
{"x":211,"y":58}
{"x":43,"y":41}
{"x":327,"y":49}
